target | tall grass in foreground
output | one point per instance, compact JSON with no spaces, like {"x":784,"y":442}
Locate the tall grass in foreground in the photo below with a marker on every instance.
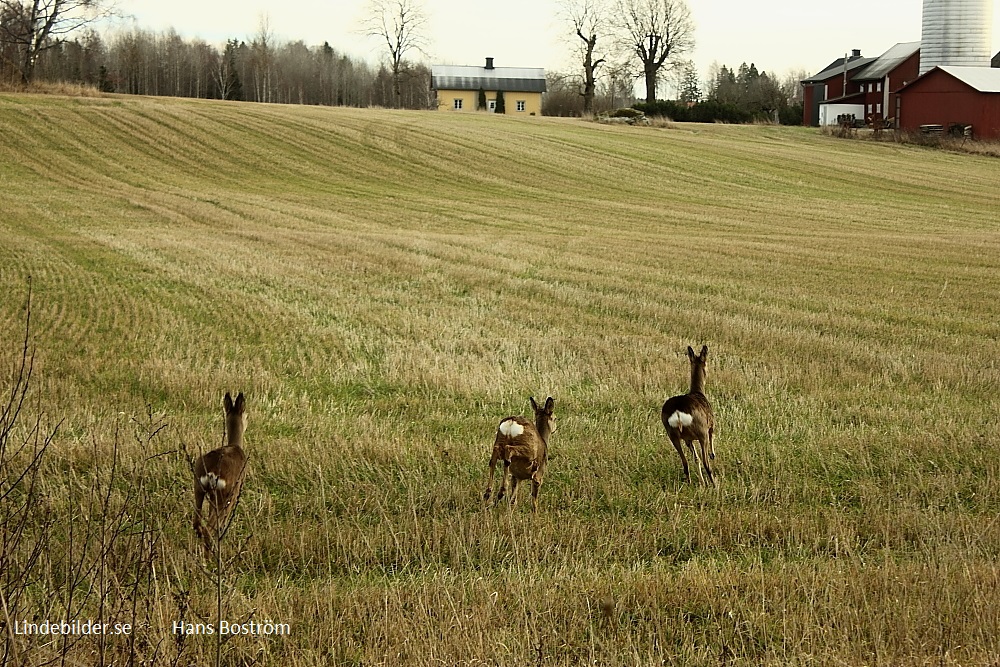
{"x":385,"y":286}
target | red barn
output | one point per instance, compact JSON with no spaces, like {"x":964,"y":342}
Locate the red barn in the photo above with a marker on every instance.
{"x":881,"y":80}
{"x":833,"y":85}
{"x":948,"y":96}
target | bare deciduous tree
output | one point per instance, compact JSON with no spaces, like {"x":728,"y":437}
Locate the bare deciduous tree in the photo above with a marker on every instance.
{"x":589,"y":19}
{"x":262,"y":55}
{"x":400,"y":23}
{"x":657,"y":32}
{"x":28,"y":27}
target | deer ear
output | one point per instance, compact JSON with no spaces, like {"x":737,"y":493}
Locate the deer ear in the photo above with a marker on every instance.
{"x":227,"y":402}
{"x":704,"y":352}
{"x":534,"y":406}
{"x":690,"y":353}
{"x":240,"y":403}
{"x":549,"y":404}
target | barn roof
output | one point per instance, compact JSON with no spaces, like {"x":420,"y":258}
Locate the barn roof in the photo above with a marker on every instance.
{"x":888,"y":61}
{"x":837,"y":68}
{"x":982,"y":79}
{"x":466,"y":77}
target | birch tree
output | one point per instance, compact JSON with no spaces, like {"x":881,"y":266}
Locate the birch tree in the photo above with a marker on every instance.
{"x":29,"y":27}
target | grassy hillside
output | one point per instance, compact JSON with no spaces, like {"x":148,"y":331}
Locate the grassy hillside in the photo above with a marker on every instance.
{"x":385,"y":286}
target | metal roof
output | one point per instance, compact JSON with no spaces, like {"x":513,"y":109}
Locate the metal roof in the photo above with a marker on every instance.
{"x":888,"y":61}
{"x":837,"y":67}
{"x":507,"y":79}
{"x":983,"y":79}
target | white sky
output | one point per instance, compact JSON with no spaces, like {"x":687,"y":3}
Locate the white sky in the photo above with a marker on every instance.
{"x":778,"y":36}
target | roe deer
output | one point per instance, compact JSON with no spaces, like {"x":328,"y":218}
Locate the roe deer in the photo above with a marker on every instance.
{"x":689,"y":417}
{"x":218,"y":475}
{"x":523,"y":447}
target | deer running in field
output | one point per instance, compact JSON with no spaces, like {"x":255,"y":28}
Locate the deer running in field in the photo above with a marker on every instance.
{"x":523,"y":448}
{"x":689,"y":417}
{"x":218,"y":475}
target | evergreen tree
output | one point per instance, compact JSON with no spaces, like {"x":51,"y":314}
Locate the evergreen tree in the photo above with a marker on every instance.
{"x":233,"y":85}
{"x":104,"y":83}
{"x":690,"y":86}
{"x":501,"y":108}
{"x":481,"y":101}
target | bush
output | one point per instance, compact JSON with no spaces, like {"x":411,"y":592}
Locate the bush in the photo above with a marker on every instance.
{"x":708,"y":111}
{"x":791,"y":115}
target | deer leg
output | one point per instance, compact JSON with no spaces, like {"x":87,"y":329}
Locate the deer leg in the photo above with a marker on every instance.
{"x":711,"y":443}
{"x":513,"y":490}
{"x":697,"y":460}
{"x":676,"y":440}
{"x":536,"y":484}
{"x":211,"y":530}
{"x":503,"y":483}
{"x":199,"y":498}
{"x":704,"y":460}
{"x":489,"y":483}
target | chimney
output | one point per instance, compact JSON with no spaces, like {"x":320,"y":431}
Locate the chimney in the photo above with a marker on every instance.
{"x":489,"y":63}
{"x":855,"y":53}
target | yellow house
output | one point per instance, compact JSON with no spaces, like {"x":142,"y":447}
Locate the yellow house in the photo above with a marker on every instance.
{"x":457,"y":88}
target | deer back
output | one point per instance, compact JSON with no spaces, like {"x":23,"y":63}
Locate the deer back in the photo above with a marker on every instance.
{"x":695,"y":406}
{"x":221,"y":470}
{"x":518,"y":443}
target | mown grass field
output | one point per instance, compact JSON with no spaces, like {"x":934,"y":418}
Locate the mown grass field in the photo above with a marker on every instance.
{"x":385,"y":286}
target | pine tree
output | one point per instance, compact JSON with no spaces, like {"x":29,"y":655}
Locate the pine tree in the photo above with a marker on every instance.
{"x":690,"y":86}
{"x":500,"y":103}
{"x":481,"y":102}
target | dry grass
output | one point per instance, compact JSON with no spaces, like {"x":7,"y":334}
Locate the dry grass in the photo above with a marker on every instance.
{"x":949,"y":143}
{"x":60,"y":88}
{"x":385,"y":286}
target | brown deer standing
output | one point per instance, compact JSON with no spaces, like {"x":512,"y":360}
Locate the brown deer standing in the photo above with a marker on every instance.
{"x":523,"y":448}
{"x":689,"y":417}
{"x":218,"y":475}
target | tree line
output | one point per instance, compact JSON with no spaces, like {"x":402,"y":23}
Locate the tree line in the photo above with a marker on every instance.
{"x":618,"y":42}
{"x":143,"y":62}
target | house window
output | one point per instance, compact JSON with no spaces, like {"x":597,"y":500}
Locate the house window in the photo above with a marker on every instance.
{"x":869,"y":108}
{"x":878,"y":108}
{"x":878,"y":87}
{"x":521,"y":105}
{"x":458,"y":104}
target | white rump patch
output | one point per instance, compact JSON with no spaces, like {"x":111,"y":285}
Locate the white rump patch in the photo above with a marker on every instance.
{"x":212,"y":482}
{"x":511,"y":428}
{"x":680,"y":419}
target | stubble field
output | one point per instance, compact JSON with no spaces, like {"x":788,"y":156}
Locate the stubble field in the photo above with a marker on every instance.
{"x":385,"y":286}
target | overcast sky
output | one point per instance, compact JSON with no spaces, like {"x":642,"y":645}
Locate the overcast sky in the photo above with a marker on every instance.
{"x":777,"y":36}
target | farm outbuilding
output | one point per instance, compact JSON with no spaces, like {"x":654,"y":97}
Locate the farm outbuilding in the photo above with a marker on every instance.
{"x":864,"y":87}
{"x":949,"y":97}
{"x":834,"y":85}
{"x":881,"y":80}
{"x":458,"y":88}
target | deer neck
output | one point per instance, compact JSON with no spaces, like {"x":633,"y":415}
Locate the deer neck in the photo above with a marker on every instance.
{"x":697,"y":381}
{"x":542,"y":426}
{"x":234,"y":435}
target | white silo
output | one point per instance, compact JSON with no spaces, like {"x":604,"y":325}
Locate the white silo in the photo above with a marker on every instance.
{"x":956,"y":32}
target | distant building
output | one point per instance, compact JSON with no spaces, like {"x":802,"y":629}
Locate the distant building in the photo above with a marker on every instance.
{"x":881,"y":80}
{"x":951,"y":98}
{"x":865,"y":87}
{"x":457,"y":87}
{"x":833,"y":91}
